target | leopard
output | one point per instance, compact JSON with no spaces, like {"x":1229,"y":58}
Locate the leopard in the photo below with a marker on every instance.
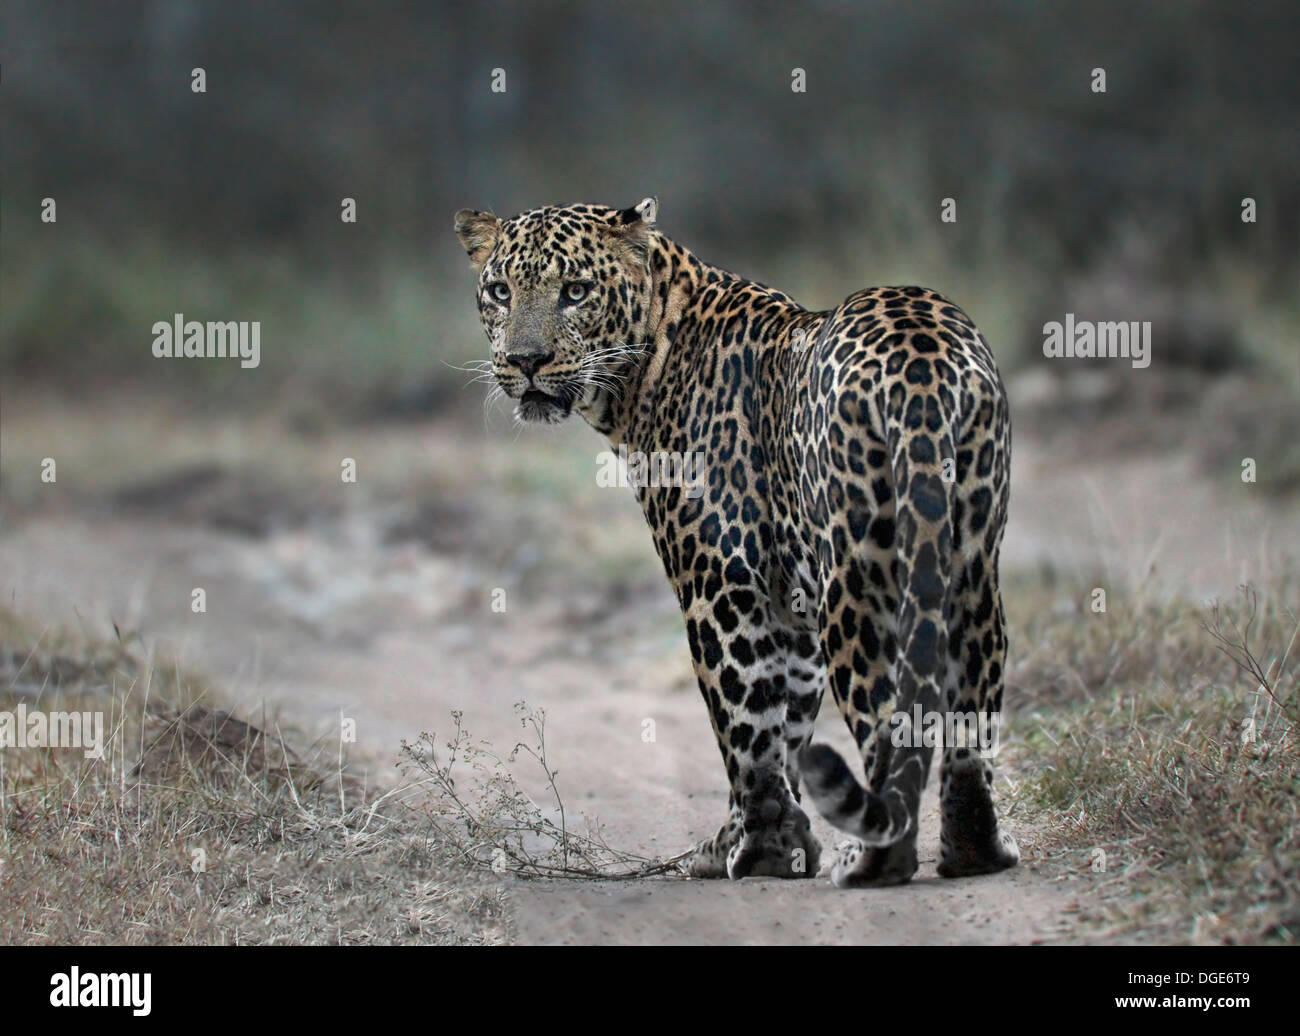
{"x":843,"y":531}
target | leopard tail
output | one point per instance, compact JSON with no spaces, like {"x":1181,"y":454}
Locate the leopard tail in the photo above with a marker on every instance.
{"x":921,"y":438}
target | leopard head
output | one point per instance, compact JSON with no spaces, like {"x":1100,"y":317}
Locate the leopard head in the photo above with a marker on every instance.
{"x":564,"y":296}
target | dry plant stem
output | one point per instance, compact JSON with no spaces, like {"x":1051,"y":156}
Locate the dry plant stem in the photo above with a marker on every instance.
{"x":490,"y":821}
{"x":1235,"y":644}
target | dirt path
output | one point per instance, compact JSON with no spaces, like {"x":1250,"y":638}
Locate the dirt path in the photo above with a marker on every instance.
{"x":267,"y":634}
{"x":327,"y":620}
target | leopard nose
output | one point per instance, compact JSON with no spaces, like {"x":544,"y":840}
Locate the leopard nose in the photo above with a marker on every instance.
{"x":530,"y":362}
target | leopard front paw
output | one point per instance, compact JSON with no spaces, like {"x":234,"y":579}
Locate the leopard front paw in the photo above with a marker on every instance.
{"x":785,"y":848}
{"x":707,"y":861}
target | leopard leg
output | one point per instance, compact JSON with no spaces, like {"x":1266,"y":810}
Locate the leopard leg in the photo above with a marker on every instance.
{"x":741,"y":666}
{"x":971,"y":840}
{"x":805,"y":686}
{"x":862,"y":682}
{"x":886,"y":598}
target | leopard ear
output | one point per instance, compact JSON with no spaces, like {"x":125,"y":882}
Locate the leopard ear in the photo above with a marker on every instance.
{"x":643,"y":212}
{"x":633,"y":226}
{"x":478,"y":233}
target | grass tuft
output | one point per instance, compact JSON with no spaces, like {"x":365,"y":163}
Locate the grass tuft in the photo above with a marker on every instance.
{"x":1169,"y":779}
{"x":197,"y":827}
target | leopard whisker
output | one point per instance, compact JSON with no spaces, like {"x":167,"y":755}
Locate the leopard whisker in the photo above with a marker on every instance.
{"x":470,"y":367}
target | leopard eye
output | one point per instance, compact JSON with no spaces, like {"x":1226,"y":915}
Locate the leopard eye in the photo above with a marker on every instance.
{"x":499,"y":291}
{"x":575,"y":291}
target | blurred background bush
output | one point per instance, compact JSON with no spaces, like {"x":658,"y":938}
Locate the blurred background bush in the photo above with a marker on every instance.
{"x":226,"y":204}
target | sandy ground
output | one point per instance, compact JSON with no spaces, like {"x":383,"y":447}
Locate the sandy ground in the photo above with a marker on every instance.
{"x":329,"y":619}
{"x":397,"y":672}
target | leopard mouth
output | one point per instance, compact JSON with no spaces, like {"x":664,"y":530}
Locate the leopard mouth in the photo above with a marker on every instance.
{"x":536,"y":405}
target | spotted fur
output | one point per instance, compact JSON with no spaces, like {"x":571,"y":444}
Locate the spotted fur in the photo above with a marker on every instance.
{"x":857,"y":464}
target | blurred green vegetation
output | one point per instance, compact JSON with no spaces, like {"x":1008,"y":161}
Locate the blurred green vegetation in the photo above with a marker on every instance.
{"x":81,"y":309}
{"x":225,"y":205}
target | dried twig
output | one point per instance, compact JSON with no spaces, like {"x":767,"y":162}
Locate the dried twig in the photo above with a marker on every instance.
{"x":1233,"y":639}
{"x":479,"y":809}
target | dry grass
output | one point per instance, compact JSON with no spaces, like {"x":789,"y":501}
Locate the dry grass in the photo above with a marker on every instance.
{"x":477,"y":806}
{"x":198,"y":828}
{"x":1165,"y":766}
